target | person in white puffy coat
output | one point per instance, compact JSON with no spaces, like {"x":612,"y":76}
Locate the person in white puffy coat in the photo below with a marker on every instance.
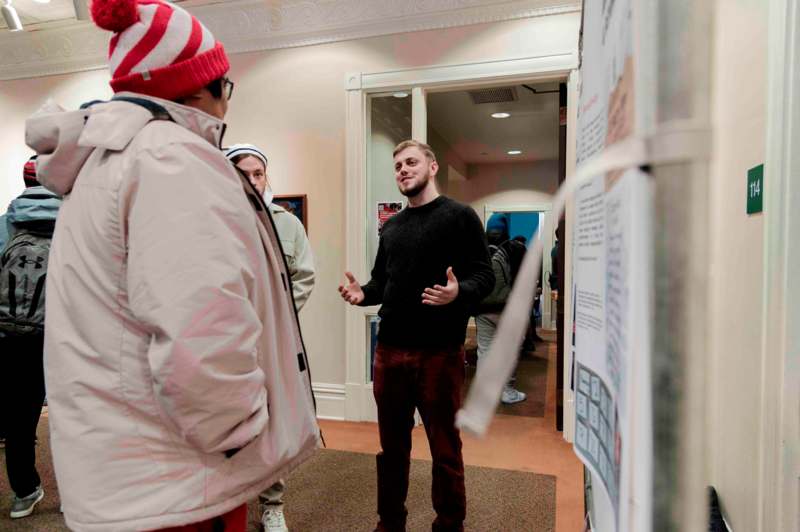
{"x":177,"y":379}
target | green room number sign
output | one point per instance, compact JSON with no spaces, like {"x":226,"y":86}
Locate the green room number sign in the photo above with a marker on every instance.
{"x":755,"y":189}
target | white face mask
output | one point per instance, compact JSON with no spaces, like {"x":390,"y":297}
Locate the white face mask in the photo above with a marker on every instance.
{"x":268,"y":195}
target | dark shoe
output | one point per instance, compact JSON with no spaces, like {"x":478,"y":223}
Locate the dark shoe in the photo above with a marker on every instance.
{"x":390,"y":528}
{"x":438,"y":527}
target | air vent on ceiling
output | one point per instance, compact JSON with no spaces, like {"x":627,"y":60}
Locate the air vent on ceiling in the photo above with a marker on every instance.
{"x":495,"y":95}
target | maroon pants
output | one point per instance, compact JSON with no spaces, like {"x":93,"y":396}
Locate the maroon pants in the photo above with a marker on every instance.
{"x":233,"y":521}
{"x":430,"y":380}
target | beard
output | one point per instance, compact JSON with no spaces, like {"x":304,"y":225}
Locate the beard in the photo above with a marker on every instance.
{"x":416,"y":188}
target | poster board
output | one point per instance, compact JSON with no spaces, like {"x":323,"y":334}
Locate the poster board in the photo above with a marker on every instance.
{"x":612,"y":272}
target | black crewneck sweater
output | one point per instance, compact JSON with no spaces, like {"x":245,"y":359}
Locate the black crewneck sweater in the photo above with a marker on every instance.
{"x":416,"y":247}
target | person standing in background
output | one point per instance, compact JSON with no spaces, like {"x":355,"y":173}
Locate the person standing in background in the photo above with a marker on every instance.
{"x":296,"y":249}
{"x":431,"y":272}
{"x":506,"y":256}
{"x":30,"y":221}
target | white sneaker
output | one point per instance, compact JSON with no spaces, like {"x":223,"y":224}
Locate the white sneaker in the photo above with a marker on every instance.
{"x":512,"y":395}
{"x":272,"y":520}
{"x":24,"y":507}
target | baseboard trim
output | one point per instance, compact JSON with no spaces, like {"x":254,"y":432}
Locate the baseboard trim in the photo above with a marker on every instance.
{"x":330,"y":400}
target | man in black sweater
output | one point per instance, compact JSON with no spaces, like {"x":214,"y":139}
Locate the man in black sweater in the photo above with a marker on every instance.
{"x":431,"y":271}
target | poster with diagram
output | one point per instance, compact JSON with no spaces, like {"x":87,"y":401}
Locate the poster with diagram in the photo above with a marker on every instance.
{"x":612,"y":271}
{"x":611,"y":286}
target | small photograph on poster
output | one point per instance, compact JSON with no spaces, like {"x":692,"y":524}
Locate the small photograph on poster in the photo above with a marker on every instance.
{"x":387,"y":209}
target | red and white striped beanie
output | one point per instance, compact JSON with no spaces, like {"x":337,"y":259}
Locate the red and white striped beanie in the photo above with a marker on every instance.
{"x":29,"y":173}
{"x":158,"y":48}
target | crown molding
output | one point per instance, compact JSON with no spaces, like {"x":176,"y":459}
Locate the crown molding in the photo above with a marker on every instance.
{"x":254,"y":25}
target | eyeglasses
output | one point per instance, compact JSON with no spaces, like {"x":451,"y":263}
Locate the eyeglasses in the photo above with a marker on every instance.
{"x":227,"y":88}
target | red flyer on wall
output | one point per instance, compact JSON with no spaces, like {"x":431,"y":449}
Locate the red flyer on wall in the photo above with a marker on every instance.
{"x":387,"y":209}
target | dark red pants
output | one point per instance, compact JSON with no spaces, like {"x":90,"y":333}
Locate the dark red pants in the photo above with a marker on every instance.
{"x":233,"y":521}
{"x":430,"y":380}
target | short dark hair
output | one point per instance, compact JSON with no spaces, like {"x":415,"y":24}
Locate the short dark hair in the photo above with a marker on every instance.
{"x":411,"y":143}
{"x":216,"y":88}
{"x":237,"y":158}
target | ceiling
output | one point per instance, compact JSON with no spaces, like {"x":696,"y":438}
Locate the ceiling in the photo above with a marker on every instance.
{"x":478,"y":138}
{"x":32,"y":13}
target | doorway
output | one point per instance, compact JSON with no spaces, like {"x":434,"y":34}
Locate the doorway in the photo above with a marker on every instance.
{"x":389,"y":104}
{"x":403,"y":98}
{"x":498,"y":152}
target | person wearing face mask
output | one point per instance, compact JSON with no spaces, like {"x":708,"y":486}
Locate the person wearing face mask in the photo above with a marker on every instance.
{"x":253,"y":163}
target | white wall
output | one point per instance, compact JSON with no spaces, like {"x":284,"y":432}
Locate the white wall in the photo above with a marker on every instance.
{"x":734,"y":377}
{"x":291,"y":102}
{"x":506,"y":184}
{"x":387,"y":131}
{"x":447,"y":157}
{"x":19,"y":99}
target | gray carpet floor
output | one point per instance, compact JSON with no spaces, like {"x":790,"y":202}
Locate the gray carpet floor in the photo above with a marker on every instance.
{"x":335,"y":492}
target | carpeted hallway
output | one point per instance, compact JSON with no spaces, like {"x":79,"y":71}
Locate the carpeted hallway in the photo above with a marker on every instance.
{"x":335,"y":491}
{"x":521,"y":477}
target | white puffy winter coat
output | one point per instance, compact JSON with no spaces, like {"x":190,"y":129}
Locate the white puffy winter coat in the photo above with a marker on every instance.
{"x":171,"y":340}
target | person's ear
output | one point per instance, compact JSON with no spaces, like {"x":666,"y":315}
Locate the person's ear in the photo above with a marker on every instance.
{"x":196,"y":96}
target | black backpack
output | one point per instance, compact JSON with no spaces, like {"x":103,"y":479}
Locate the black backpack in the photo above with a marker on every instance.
{"x":23,"y":272}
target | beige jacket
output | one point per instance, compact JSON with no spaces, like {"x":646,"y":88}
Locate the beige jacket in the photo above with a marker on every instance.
{"x":297,"y":251}
{"x":170,"y":337}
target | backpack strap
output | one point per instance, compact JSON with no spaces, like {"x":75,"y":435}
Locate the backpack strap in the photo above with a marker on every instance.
{"x":158,"y":111}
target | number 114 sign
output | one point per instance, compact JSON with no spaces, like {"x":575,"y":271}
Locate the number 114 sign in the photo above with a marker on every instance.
{"x":755,"y":189}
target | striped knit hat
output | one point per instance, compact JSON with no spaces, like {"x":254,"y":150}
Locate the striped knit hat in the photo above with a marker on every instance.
{"x":29,"y":173}
{"x":245,"y":149}
{"x":158,"y":48}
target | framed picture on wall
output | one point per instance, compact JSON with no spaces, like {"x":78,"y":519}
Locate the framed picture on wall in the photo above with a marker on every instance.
{"x":387,"y":209}
{"x":296,"y":204}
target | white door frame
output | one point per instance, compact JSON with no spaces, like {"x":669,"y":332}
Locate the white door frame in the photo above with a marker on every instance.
{"x":779,"y":462}
{"x":359,"y":402}
{"x":548,"y":316}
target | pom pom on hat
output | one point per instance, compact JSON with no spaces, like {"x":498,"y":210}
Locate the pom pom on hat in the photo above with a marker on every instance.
{"x":115,"y":15}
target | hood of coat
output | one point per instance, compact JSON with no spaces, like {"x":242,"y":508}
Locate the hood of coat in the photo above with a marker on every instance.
{"x":35,"y":204}
{"x":65,"y":139}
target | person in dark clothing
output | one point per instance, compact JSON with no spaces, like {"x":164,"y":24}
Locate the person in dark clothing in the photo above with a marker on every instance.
{"x":432,"y":269}
{"x":507,"y":255}
{"x":28,"y":225}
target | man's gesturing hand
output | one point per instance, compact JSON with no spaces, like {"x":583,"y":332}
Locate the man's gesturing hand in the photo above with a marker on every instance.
{"x":351,"y":292}
{"x":442,"y":295}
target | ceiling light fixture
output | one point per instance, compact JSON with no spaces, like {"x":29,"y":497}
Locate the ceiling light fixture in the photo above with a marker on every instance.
{"x":11,"y":16}
{"x":42,"y":1}
{"x":400,"y":94}
{"x":514,"y":152}
{"x":81,"y":9}
{"x":501,"y":115}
